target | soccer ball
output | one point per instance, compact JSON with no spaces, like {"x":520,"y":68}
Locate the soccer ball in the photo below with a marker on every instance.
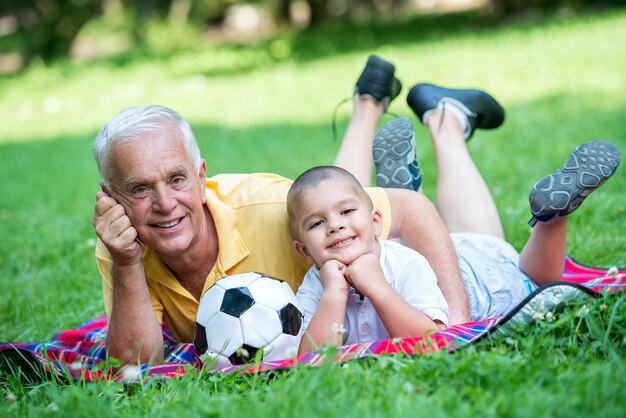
{"x":244,"y":313}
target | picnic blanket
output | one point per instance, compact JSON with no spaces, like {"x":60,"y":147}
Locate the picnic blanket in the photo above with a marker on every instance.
{"x":79,"y":353}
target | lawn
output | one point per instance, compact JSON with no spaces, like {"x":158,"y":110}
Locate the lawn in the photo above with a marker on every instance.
{"x":268,"y":107}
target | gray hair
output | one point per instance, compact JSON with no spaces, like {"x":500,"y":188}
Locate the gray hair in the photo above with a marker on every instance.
{"x":133,"y":122}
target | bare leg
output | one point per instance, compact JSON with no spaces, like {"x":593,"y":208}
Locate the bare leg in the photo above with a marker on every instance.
{"x":355,"y":152}
{"x":542,"y":256}
{"x":463,"y":199}
{"x":557,"y":195}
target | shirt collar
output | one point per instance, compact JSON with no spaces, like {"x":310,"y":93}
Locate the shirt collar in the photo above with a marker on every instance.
{"x":232,"y":247}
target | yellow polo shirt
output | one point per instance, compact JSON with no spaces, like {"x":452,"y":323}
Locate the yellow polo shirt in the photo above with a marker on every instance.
{"x":250,"y":215}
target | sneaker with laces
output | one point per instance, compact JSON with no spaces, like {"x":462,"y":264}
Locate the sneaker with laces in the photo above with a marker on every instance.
{"x":394,"y":156}
{"x":481,"y":109}
{"x":561,"y":193}
{"x":378,"y":81}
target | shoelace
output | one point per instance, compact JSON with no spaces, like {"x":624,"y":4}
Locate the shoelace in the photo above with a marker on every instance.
{"x":336,"y":110}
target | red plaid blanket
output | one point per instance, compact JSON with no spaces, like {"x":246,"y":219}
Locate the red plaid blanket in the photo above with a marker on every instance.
{"x":79,"y":353}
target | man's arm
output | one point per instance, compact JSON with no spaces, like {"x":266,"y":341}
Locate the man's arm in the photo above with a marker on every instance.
{"x":416,"y":221}
{"x":134,"y":335}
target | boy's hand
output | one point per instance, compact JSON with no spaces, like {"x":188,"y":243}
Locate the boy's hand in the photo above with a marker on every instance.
{"x":365,"y":274}
{"x":332,"y":277}
{"x":115,"y":230}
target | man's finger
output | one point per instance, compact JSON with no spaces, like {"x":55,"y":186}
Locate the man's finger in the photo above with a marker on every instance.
{"x":104,"y":204}
{"x":128,"y":236}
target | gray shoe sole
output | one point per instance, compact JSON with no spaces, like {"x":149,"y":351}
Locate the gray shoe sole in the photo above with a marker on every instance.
{"x":562,"y":192}
{"x":394,"y":155}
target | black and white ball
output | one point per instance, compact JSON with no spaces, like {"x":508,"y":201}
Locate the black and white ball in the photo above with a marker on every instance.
{"x":244,"y":313}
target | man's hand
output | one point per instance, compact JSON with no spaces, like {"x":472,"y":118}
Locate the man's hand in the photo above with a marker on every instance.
{"x":115,"y":230}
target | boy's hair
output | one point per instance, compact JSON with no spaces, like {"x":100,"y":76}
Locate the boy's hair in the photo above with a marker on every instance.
{"x":311,"y":178}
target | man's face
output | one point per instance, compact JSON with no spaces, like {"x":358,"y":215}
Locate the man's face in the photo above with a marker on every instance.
{"x":334,"y":222}
{"x":160,"y":189}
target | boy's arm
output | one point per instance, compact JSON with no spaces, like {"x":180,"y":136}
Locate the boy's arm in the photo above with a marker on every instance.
{"x":330,"y":312}
{"x":400,"y":318}
{"x":321,"y":331}
{"x":416,"y":221}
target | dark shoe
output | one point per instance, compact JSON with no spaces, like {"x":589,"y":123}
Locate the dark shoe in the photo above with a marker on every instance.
{"x":482,"y":110}
{"x":561,"y":193}
{"x":378,"y":81}
{"x":394,"y":156}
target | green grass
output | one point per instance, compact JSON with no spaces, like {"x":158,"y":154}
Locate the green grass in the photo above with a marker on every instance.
{"x":256,"y":108}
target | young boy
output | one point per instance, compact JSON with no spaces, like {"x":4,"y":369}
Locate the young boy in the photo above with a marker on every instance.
{"x":359,"y":288}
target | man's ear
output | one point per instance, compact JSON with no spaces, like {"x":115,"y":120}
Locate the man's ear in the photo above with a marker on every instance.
{"x":104,"y":188}
{"x":377,"y":222}
{"x":303,"y":251}
{"x":202,"y":176}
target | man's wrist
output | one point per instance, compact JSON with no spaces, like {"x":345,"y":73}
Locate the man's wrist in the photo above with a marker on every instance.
{"x":124,"y":273}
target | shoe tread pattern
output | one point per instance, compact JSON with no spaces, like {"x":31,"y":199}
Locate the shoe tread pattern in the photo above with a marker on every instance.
{"x":562,"y":192}
{"x":394,"y":156}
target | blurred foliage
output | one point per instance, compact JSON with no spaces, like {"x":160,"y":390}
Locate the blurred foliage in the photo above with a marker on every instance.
{"x":47,"y":30}
{"x":509,"y":7}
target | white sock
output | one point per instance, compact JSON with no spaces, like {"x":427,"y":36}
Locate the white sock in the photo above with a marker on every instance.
{"x":458,"y":109}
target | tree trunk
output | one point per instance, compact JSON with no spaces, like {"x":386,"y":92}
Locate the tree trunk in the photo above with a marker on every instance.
{"x":319,"y":11}
{"x":280,"y":12}
{"x":179,"y":11}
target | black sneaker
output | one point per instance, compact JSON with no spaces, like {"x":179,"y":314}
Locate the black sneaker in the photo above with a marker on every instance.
{"x":482,"y":110}
{"x":378,"y":81}
{"x":561,"y":193}
{"x":394,"y":156}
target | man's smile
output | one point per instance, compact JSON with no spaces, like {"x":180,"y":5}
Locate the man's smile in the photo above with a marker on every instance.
{"x":168,"y":224}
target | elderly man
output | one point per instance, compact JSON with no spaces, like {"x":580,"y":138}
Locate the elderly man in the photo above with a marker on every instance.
{"x":167,"y":233}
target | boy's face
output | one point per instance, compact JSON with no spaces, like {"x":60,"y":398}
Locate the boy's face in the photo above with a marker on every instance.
{"x":335,"y":223}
